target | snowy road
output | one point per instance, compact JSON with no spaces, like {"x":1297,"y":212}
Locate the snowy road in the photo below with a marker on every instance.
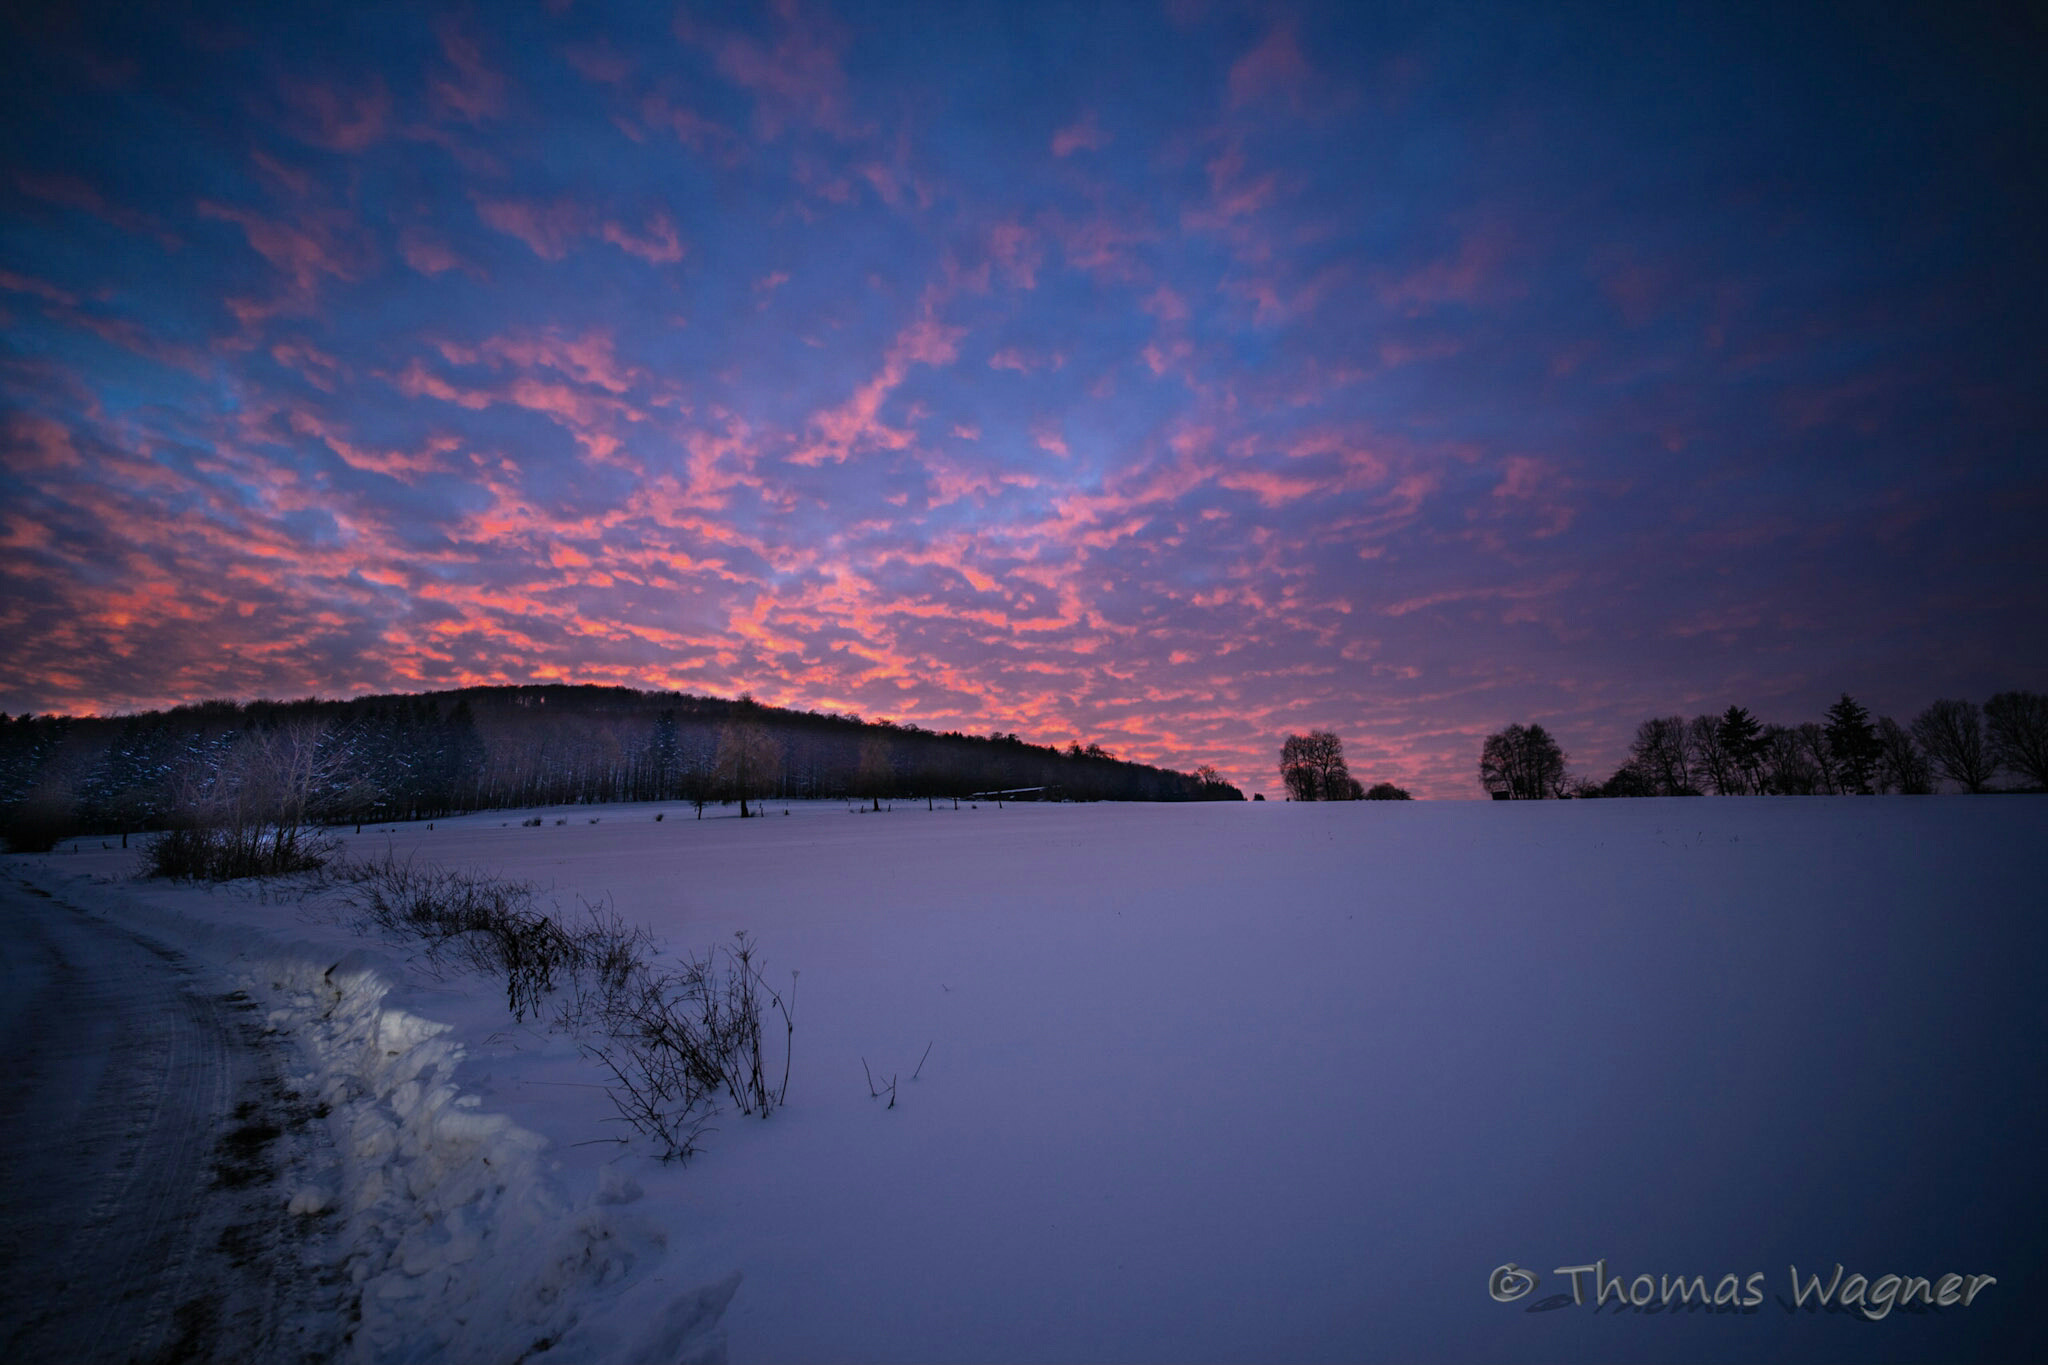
{"x":148,"y":1146}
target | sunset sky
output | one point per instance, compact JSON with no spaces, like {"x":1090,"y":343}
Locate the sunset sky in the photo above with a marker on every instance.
{"x":1164,"y":375}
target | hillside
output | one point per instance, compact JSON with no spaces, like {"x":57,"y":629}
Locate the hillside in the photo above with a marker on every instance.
{"x":419,"y":756}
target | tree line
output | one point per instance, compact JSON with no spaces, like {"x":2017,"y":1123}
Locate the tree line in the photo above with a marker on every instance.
{"x":1312,"y":768}
{"x":1849,"y":753}
{"x":409,"y":757}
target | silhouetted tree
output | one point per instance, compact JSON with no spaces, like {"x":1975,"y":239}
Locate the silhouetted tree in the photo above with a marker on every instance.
{"x":1312,"y":766}
{"x":1901,"y":767}
{"x":1659,"y":753}
{"x":1743,"y":743}
{"x":1387,"y":791}
{"x":1826,"y":773}
{"x":2018,"y":722}
{"x":1852,"y":742}
{"x":1787,"y":763}
{"x":1951,"y":733}
{"x":1523,"y":761}
{"x":1628,"y":781}
{"x":1710,"y":762}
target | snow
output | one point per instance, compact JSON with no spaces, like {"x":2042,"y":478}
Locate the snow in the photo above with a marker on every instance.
{"x":1210,"y":1082}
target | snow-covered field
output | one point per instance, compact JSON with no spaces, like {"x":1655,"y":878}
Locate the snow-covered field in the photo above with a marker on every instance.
{"x":1219,"y":1082}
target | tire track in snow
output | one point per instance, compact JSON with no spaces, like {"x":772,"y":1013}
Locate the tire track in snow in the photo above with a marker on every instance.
{"x":144,"y":1126}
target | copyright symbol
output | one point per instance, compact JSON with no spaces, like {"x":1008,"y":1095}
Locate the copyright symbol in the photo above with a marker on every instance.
{"x":1510,"y":1282}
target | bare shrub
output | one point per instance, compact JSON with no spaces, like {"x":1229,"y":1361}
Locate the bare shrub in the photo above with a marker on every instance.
{"x":219,"y":853}
{"x":679,"y":1042}
{"x":680,"y":1039}
{"x":247,"y":811}
{"x":483,"y":923}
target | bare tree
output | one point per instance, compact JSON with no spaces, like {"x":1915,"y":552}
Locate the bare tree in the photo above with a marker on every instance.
{"x":748,"y":756}
{"x":876,"y":778}
{"x":247,"y":808}
{"x":1524,"y":762}
{"x":1951,"y":732}
{"x":2018,"y":722}
{"x":1659,"y":753}
{"x":1313,"y":767}
{"x":1811,"y":742}
{"x":1901,"y":767}
{"x":1711,"y":761}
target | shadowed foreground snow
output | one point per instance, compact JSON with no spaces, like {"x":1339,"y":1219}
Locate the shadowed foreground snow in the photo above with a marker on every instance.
{"x":1285,"y":1082}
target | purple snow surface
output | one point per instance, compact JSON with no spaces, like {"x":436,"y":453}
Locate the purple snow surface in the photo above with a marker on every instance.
{"x":1287,"y":1082}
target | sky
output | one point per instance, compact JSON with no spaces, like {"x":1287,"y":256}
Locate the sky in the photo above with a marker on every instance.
{"x":1165,"y":376}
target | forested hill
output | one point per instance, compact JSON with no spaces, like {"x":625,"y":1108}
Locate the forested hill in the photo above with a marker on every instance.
{"x":407,"y":757}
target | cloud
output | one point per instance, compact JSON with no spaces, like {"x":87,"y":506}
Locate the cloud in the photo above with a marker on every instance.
{"x":656,"y":242}
{"x":337,"y":119}
{"x":1025,"y":362}
{"x":431,"y":256}
{"x":796,"y":80}
{"x":1274,"y":70}
{"x":550,"y":228}
{"x":74,"y":192}
{"x":1016,"y":250}
{"x":42,"y":289}
{"x":1082,"y":135}
{"x":468,"y":86}
{"x":837,"y":433}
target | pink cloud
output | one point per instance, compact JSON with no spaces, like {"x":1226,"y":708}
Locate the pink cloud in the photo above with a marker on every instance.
{"x":1082,"y":135}
{"x":1163,"y":303}
{"x":837,"y":432}
{"x":550,"y":229}
{"x":1104,"y":244}
{"x":312,"y":364}
{"x":1016,"y":251}
{"x":589,"y":358}
{"x":471,"y":90}
{"x":339,"y":120}
{"x":311,"y":244}
{"x":1464,"y":277}
{"x":42,"y":289}
{"x":657,"y":244}
{"x":429,"y":255}
{"x":796,"y":80}
{"x":417,"y":381}
{"x":1274,"y":68}
{"x":69,"y":191}
{"x":702,"y":135}
{"x":1023,"y":362}
{"x":34,"y":442}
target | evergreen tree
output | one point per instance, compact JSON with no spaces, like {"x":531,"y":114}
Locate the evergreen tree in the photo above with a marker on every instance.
{"x":1852,"y":742}
{"x":1742,"y":741}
